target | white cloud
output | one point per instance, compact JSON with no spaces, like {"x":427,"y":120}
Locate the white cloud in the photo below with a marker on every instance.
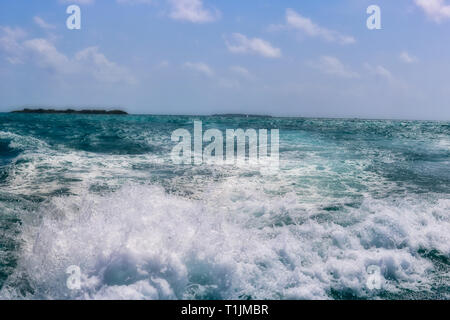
{"x":163,"y":64}
{"x":101,"y":68}
{"x":407,"y":58}
{"x":437,"y":10}
{"x":298,"y":22}
{"x":241,"y":44}
{"x":333,"y":66}
{"x":182,"y":10}
{"x":192,"y":11}
{"x":242,"y":72}
{"x":10,"y":43}
{"x":200,"y":67}
{"x":380,"y":71}
{"x":45,"y":55}
{"x":42,"y":23}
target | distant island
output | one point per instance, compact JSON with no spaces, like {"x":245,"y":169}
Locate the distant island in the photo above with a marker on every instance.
{"x":70,"y":111}
{"x":241,"y":115}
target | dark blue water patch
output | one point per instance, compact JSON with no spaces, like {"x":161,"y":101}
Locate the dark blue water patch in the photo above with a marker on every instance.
{"x":6,"y":152}
{"x":402,"y":294}
{"x":113,"y":144}
{"x":98,"y":134}
{"x":344,"y":294}
{"x":3,"y":174}
{"x":9,"y":229}
{"x":416,"y":177}
{"x":7,"y":155}
{"x":440,"y":261}
{"x":8,"y":249}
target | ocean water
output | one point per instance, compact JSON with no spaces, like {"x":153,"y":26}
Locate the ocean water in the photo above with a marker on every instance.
{"x":101,"y":193}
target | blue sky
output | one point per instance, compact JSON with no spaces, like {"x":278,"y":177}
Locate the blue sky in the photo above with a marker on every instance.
{"x":289,"y":58}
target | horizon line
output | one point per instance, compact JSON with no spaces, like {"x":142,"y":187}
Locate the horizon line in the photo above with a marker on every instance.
{"x":225,"y":114}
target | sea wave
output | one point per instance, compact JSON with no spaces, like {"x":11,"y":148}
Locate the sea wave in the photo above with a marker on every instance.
{"x":103,"y":194}
{"x":142,"y":243}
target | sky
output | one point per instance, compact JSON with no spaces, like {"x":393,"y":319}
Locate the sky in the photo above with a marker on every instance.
{"x":277,"y":57}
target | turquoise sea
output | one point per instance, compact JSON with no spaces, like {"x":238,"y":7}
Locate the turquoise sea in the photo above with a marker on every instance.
{"x":101,"y":193}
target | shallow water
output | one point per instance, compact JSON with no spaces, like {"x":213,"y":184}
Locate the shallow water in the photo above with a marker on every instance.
{"x":101,"y":193}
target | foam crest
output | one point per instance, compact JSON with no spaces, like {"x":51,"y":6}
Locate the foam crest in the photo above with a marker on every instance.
{"x":22,"y":142}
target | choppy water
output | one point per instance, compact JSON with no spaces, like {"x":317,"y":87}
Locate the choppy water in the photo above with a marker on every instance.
{"x":101,"y":192}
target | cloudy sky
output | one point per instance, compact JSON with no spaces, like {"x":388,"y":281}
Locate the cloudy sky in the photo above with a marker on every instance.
{"x":279,"y":57}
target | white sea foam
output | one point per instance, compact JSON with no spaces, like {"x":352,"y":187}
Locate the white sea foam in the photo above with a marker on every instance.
{"x":141,"y":243}
{"x":22,"y":142}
